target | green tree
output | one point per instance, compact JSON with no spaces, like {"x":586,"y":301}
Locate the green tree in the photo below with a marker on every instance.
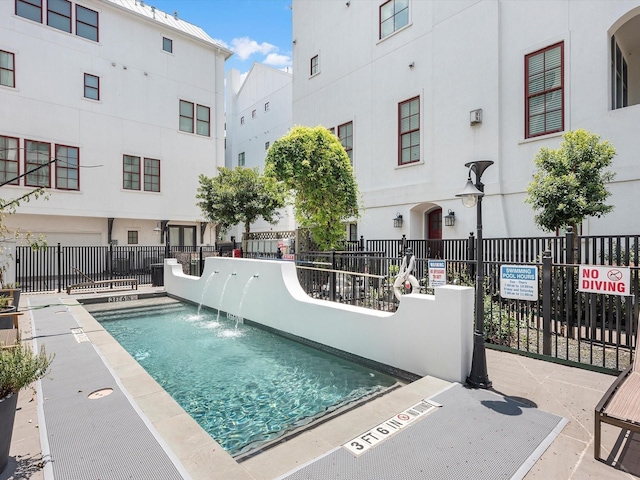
{"x":239,"y":196}
{"x":314,"y":166}
{"x":570,"y":183}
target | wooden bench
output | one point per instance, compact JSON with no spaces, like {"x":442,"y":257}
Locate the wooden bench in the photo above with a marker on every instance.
{"x":89,"y":282}
{"x":620,"y":405}
{"x":133,"y":282}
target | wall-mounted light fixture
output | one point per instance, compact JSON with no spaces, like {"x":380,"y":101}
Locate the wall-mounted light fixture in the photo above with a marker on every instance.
{"x":475,"y":116}
{"x":157,"y":230}
{"x":412,"y":64}
{"x":397,"y":222}
{"x":450,"y":219}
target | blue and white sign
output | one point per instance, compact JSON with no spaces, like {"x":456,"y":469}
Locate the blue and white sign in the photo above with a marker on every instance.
{"x":437,"y":273}
{"x":519,"y":282}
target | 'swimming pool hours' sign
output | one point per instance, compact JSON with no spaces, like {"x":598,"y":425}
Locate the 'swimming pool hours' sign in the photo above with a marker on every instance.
{"x":519,"y":282}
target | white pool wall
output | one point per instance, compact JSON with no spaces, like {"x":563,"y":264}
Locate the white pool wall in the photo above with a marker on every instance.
{"x":427,"y":335}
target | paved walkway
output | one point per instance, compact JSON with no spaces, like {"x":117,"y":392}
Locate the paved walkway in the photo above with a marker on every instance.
{"x":565,"y":391}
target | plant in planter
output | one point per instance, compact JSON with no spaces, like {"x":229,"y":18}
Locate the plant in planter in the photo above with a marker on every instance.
{"x":20,"y":366}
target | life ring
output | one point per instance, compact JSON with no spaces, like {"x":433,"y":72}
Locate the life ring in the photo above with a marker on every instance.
{"x":398,"y":284}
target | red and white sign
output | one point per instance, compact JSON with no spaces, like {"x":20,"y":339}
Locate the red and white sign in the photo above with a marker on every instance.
{"x":611,"y":280}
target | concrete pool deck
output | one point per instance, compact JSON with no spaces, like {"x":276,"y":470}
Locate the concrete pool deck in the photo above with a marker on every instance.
{"x":564,"y":391}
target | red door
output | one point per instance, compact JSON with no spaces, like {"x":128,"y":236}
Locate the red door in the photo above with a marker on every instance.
{"x":434,"y":233}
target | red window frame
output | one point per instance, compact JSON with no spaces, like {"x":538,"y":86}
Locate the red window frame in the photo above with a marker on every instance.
{"x":65,"y":168}
{"x":346,"y":139}
{"x":187,"y":116}
{"x":544,"y":92}
{"x":315,"y":65}
{"x":203,"y":120}
{"x":130,"y":172}
{"x":12,"y":69}
{"x":402,"y":133}
{"x":91,"y":88}
{"x":151,"y":175}
{"x":37,"y":4}
{"x":5,"y":160}
{"x":59,"y":15}
{"x":392,"y":18}
{"x":30,"y":163}
{"x":84,"y":26}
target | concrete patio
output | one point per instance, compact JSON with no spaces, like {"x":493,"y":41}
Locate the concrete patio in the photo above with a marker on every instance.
{"x":565,"y":391}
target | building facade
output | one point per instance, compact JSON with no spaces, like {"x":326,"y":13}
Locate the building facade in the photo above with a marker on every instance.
{"x":114,"y":107}
{"x":415,"y":89}
{"x":258,"y":112}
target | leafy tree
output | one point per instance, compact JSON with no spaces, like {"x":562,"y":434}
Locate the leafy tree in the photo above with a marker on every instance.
{"x":312,"y":164}
{"x":239,"y":196}
{"x":570,"y":183}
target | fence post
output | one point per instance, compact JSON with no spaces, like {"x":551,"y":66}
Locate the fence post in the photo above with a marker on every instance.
{"x":404,"y":245}
{"x":471,"y":255}
{"x":59,"y":260}
{"x":361,"y":246}
{"x":201,"y":262}
{"x":547,"y":297}
{"x":332,"y":277}
{"x":571,"y":259}
{"x":110,"y":261}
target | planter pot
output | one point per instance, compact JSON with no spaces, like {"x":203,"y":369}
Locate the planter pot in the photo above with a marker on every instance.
{"x":6,"y":322}
{"x":7,"y":416}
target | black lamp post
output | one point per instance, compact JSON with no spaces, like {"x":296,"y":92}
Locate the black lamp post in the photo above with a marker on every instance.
{"x":472,"y":196}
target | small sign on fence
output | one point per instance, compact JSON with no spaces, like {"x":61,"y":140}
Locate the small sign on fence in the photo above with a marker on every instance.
{"x":437,"y":273}
{"x":611,"y":280}
{"x":519,"y":282}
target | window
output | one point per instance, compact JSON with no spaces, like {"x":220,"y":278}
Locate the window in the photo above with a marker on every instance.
{"x":332,"y":130}
{"x":131,"y":172}
{"x":409,"y":131}
{"x":353,"y":232}
{"x":203,"y":120}
{"x":59,"y":15}
{"x":241,"y":159}
{"x":151,"y":175}
{"x":67,"y":167}
{"x":167,"y":44}
{"x":266,"y":107}
{"x":544,"y":91}
{"x":86,"y":23}
{"x":37,"y":155}
{"x":619,"y":77}
{"x":315,"y":65}
{"x":132,"y":237}
{"x":345,"y":134}
{"x":254,"y":114}
{"x":241,"y":120}
{"x":9,"y":157}
{"x":7,"y":69}
{"x":393,"y":16}
{"x":182,"y":236}
{"x":186,"y":116}
{"x":31,"y":9}
{"x":266,"y":146}
{"x":91,"y":87}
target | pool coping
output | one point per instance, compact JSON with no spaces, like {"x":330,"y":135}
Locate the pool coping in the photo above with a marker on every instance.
{"x":200,"y":455}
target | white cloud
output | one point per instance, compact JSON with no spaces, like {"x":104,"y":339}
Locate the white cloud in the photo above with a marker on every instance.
{"x":244,"y":47}
{"x":277,"y":60}
{"x":222,"y":43}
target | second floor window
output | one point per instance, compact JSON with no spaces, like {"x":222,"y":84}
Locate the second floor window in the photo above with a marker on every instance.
{"x":241,"y":159}
{"x":394,"y":15}
{"x":241,"y":120}
{"x":254,"y":114}
{"x":91,"y":87}
{"x":59,"y":15}
{"x":203,"y":120}
{"x":36,"y":155}
{"x":86,"y":23}
{"x":544,"y":109}
{"x":151,"y":175}
{"x":131,"y":172}
{"x":409,"y":131}
{"x":9,"y":158}
{"x":7,"y":69}
{"x":619,"y":77}
{"x":315,"y":65}
{"x":345,"y":134}
{"x":186,"y":116}
{"x":67,"y":167}
{"x":266,"y":107}
{"x":31,"y":9}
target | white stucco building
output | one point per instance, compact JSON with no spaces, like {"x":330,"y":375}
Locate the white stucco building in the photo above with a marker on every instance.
{"x":258,"y":112}
{"x":419,"y":88}
{"x":128,"y":100}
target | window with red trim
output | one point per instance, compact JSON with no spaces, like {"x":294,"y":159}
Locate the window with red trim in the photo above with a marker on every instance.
{"x":544,"y":91}
{"x":37,"y":157}
{"x":409,"y":131}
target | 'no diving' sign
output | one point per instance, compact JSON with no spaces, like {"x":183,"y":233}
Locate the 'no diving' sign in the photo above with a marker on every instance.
{"x":611,"y":280}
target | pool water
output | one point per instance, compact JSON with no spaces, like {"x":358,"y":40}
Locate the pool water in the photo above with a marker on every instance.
{"x":243,"y":385}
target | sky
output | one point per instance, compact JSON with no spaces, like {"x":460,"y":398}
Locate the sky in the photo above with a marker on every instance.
{"x":255,"y":30}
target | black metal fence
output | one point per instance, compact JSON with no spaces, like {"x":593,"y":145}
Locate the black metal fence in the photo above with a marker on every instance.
{"x":564,"y":324}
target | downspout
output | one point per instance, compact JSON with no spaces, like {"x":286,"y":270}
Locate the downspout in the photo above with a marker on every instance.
{"x":500,"y":128}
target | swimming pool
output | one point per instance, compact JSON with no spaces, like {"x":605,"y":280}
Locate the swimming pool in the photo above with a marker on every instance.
{"x":243,"y":385}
